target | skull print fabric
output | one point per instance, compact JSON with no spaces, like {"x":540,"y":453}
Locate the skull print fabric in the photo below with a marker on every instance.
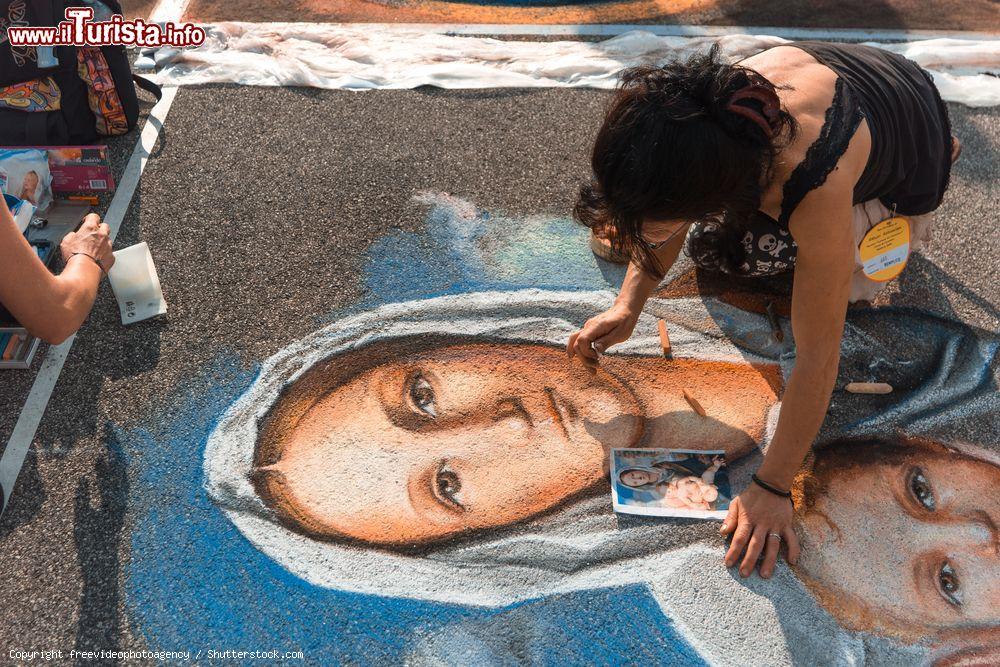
{"x":765,"y":249}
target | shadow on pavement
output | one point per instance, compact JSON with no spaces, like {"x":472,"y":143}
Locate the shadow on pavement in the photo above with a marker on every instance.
{"x":99,"y":515}
{"x":926,"y":281}
{"x":820,"y":14}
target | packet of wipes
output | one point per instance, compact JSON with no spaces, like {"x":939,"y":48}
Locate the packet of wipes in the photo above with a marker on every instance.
{"x":136,"y":285}
{"x":21,"y":210}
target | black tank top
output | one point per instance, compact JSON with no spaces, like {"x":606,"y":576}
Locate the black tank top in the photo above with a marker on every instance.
{"x":910,"y":161}
{"x":908,"y":168}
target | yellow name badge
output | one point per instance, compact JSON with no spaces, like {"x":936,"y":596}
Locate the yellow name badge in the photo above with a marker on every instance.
{"x":885,"y":249}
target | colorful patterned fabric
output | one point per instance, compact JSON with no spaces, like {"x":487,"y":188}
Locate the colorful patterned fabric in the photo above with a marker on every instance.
{"x":37,"y":95}
{"x":101,"y":92}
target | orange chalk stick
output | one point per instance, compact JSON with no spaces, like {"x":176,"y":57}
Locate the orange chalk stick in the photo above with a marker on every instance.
{"x":695,"y":405}
{"x":87,"y":199}
{"x":668,"y":352}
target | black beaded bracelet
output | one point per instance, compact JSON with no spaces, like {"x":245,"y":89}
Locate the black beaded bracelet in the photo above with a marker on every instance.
{"x":91,"y":258}
{"x":771,"y":489}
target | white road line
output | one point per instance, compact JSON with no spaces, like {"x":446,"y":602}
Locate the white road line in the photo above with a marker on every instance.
{"x":610,"y":30}
{"x":38,"y":398}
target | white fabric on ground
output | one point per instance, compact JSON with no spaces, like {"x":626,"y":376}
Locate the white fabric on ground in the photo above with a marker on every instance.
{"x":359,"y":57}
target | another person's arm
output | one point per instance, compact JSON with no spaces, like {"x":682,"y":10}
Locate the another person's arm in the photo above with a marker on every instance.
{"x":52,"y":307}
{"x":615,"y":325}
{"x":824,"y":267}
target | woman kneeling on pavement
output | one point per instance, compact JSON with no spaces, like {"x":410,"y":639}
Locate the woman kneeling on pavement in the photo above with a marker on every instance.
{"x":820,"y":158}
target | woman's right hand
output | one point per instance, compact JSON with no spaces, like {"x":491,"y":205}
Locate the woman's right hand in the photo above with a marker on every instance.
{"x":611,"y":327}
{"x":93,"y":238}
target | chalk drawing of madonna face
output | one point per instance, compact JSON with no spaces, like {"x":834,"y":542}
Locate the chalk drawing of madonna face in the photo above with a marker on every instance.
{"x":900,"y":544}
{"x":923,"y":519}
{"x":420,"y":422}
{"x":433,"y":438}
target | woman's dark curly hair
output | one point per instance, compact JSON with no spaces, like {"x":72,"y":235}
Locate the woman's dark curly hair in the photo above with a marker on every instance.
{"x":670,"y":149}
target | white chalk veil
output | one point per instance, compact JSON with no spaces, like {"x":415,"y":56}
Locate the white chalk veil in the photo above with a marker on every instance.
{"x":583,"y":545}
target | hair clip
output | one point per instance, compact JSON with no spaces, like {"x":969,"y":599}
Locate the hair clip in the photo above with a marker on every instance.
{"x":765,"y":119}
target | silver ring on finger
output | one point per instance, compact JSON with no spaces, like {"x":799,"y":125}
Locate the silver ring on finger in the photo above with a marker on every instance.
{"x":775,"y":536}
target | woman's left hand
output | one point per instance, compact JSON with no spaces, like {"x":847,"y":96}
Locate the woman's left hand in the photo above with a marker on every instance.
{"x":756,"y":519}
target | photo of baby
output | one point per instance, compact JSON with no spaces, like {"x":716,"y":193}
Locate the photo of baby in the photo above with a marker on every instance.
{"x":670,"y":482}
{"x":24,"y":173}
{"x":29,"y":187}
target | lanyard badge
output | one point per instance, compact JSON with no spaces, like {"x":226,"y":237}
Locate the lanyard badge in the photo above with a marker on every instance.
{"x":885,"y":249}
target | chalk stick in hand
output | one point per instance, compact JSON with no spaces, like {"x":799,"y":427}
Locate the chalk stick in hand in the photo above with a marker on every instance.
{"x":868,"y":388}
{"x":665,"y":340}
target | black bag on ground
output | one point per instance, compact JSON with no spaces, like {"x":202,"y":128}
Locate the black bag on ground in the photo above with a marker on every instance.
{"x":65,"y":95}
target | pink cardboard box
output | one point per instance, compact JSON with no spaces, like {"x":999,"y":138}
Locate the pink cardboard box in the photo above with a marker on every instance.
{"x":80,"y":168}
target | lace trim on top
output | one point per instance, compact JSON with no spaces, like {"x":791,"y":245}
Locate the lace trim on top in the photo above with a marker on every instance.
{"x":839,"y":125}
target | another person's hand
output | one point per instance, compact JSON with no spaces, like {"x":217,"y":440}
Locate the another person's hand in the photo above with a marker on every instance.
{"x":759,"y":521}
{"x":92,"y":239}
{"x":600,"y":332}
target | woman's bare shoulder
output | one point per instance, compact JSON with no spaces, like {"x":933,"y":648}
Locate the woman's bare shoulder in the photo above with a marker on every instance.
{"x":785,"y":53}
{"x":805,"y":85}
{"x":806,"y":89}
